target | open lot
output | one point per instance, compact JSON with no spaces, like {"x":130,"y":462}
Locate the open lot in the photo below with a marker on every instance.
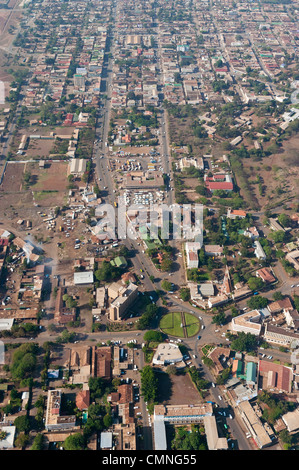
{"x":279,"y":175}
{"x":177,"y":389}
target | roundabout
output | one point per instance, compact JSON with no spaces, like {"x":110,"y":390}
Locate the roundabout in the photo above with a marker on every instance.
{"x":180,"y":324}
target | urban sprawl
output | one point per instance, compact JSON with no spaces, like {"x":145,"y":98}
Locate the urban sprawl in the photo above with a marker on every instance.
{"x":147,"y":342}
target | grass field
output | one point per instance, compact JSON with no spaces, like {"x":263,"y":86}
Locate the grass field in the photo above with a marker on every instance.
{"x":192,"y":324}
{"x":171,"y":324}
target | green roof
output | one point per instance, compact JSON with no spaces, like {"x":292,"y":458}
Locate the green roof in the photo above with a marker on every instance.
{"x":120,"y":261}
{"x":251,"y":372}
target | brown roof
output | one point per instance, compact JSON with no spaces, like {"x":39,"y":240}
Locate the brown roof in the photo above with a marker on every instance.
{"x":279,"y":375}
{"x":280,"y":305}
{"x":126,"y":393}
{"x":83,"y":400}
{"x":266,"y":275}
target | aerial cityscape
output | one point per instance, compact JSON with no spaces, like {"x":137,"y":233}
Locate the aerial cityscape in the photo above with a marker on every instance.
{"x":149,"y":226}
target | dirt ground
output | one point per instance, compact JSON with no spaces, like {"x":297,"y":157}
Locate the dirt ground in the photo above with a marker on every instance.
{"x":52,"y":177}
{"x":13,"y":177}
{"x":179,"y":389}
{"x":280,"y":170}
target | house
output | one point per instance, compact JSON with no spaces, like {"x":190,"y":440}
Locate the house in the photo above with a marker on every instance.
{"x":275,"y":376}
{"x":8,"y":441}
{"x":266,"y":275}
{"x":233,"y":214}
{"x":280,"y":305}
{"x":213,"y":250}
{"x":254,"y":424}
{"x":259,"y":252}
{"x":291,"y":420}
{"x":293,"y":258}
{"x":83,"y":400}
{"x":219,"y":182}
{"x":274,"y":225}
{"x":83,"y":278}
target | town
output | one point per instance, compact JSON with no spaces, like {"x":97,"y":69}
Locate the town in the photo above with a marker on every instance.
{"x":149,"y":225}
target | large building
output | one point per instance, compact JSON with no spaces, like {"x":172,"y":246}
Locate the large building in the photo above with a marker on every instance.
{"x":54,"y":420}
{"x":181,"y":415}
{"x":122,"y":297}
{"x":168,"y":353}
{"x":261,"y":433}
{"x":77,"y":167}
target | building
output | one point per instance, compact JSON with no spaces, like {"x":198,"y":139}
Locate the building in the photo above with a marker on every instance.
{"x":213,"y":250}
{"x":77,"y":167}
{"x":168,"y":353}
{"x":280,"y":336}
{"x":259,"y":252}
{"x":192,"y":249}
{"x":8,"y":441}
{"x":121,"y":298}
{"x":249,"y":322}
{"x":83,"y":400}
{"x":274,"y":377}
{"x":187,"y":162}
{"x":274,"y":225}
{"x":79,"y":82}
{"x":124,"y":436}
{"x":266,"y":275}
{"x":101,"y":362}
{"x":219,"y":182}
{"x":177,"y":415}
{"x":55,"y":421}
{"x":106,"y":442}
{"x":83,"y":278}
{"x":213,"y":440}
{"x":293,"y":258}
{"x":234,"y":214}
{"x":254,"y":425}
{"x":291,"y":420}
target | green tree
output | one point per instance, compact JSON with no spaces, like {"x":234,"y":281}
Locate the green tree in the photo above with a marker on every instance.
{"x":149,"y":384}
{"x":166,"y":285}
{"x":74,"y":442}
{"x":22,"y":423}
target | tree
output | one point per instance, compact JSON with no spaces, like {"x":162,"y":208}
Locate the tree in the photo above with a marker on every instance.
{"x":166,"y":285}
{"x":38,"y":442}
{"x":74,"y":442}
{"x":171,"y":369}
{"x":185,"y":294}
{"x":284,"y":220}
{"x":149,"y":384}
{"x":255,"y":283}
{"x":244,"y":342}
{"x":107,"y":420}
{"x":107,"y":272}
{"x":22,"y":440}
{"x":22,"y":423}
{"x":219,"y":318}
{"x":153,"y":336}
{"x":257,"y":302}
